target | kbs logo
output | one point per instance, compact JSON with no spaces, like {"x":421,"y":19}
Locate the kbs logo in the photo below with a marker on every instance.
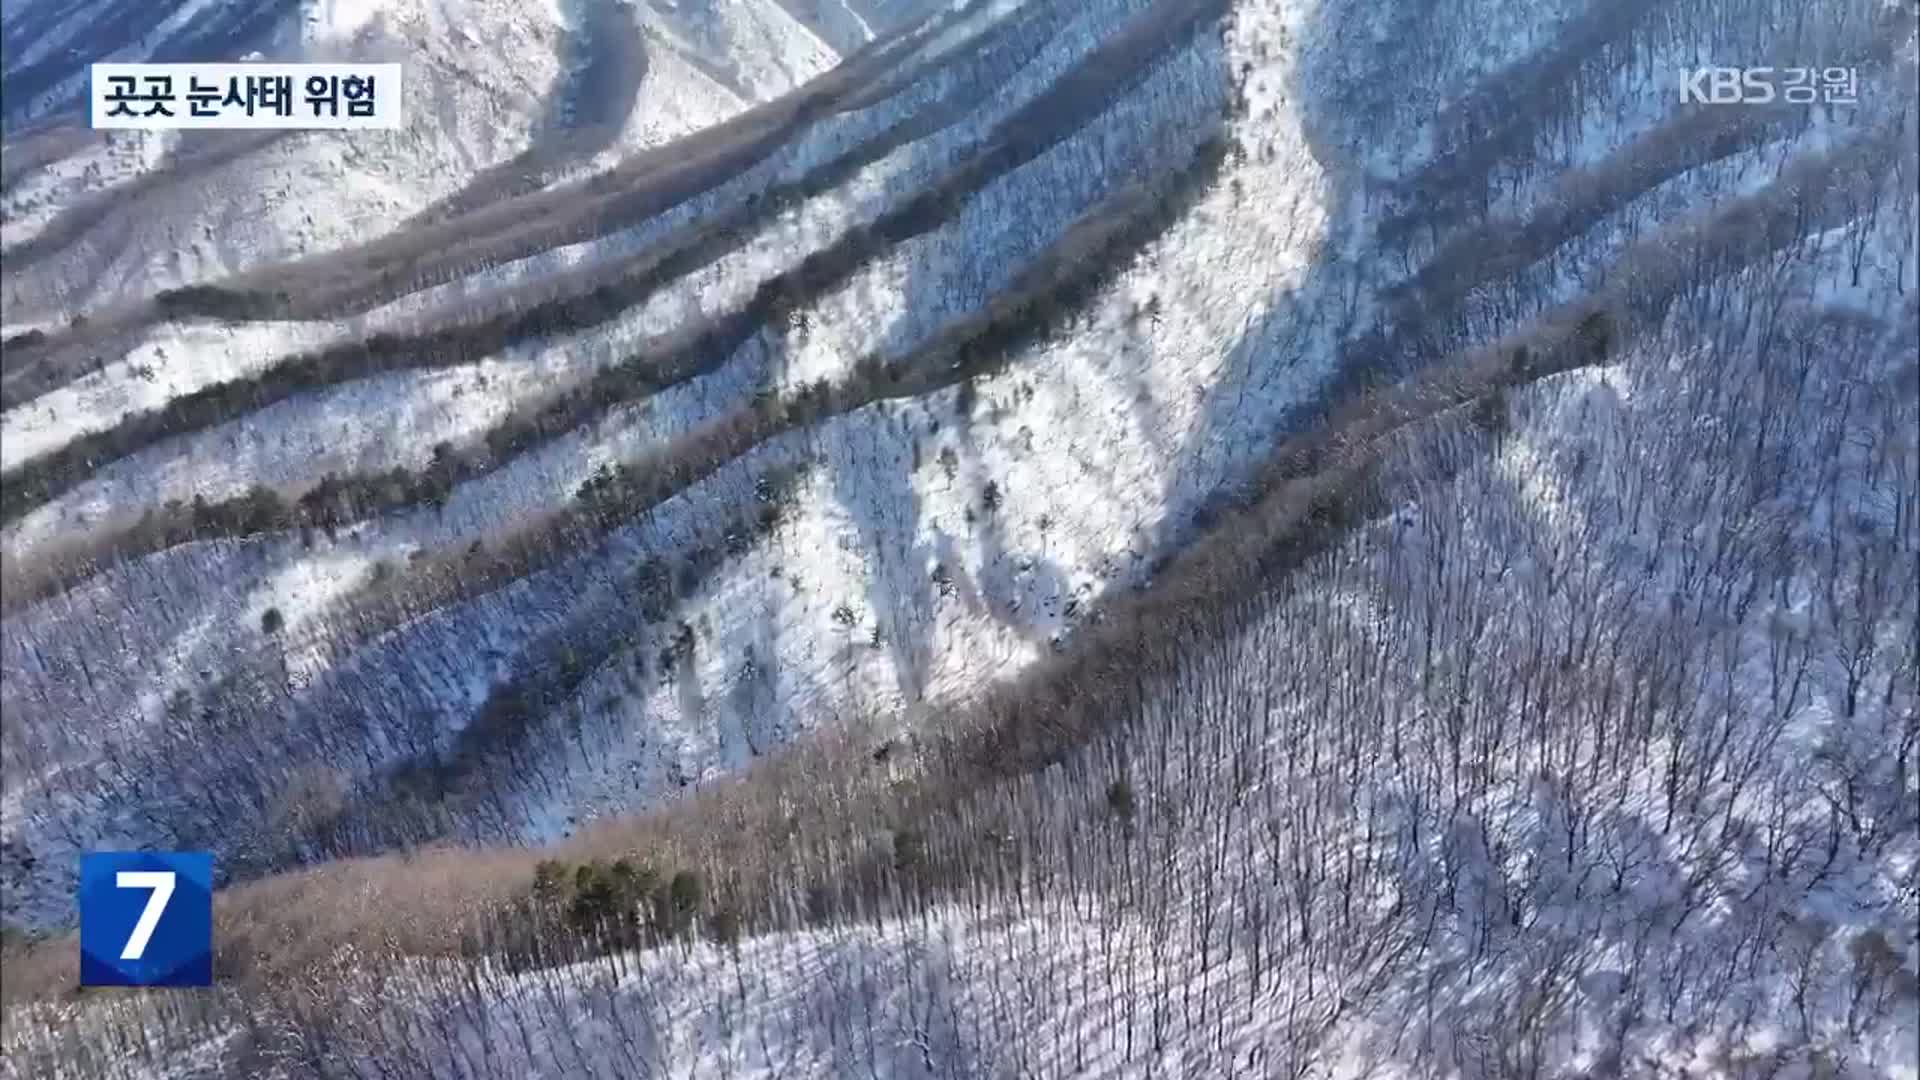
{"x":1761,"y":85}
{"x":146,"y":918}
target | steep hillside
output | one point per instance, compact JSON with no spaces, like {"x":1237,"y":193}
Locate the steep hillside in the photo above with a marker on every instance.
{"x":1133,"y":537}
{"x":500,"y":98}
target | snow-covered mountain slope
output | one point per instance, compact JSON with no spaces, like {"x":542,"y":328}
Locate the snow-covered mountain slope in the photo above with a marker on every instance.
{"x":1501,"y":862}
{"x":496,"y":94}
{"x":1029,"y":120}
{"x":1427,"y":459}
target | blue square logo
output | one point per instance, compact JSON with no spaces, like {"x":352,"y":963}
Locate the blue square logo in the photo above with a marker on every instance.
{"x":146,"y":918}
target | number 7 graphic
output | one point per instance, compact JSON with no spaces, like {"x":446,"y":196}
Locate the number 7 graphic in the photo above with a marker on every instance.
{"x":161,"y":882}
{"x":146,"y":918}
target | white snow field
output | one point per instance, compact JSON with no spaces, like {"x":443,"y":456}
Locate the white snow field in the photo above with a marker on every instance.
{"x":480,"y":76}
{"x":1329,"y":538}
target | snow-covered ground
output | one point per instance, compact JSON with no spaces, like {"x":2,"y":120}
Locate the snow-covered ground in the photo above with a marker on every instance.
{"x":1677,"y":667}
{"x":1102,"y":445}
{"x":1024,"y":564}
{"x":293,"y":445}
{"x":480,"y":76}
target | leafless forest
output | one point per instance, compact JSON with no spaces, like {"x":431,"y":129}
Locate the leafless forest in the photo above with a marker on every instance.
{"x":1517,"y":677}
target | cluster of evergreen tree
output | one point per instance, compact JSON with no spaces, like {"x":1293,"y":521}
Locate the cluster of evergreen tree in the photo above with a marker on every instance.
{"x":619,"y":903}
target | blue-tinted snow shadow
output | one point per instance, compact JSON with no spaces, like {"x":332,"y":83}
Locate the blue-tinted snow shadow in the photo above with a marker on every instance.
{"x":1290,"y":365}
{"x":879,"y":492}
